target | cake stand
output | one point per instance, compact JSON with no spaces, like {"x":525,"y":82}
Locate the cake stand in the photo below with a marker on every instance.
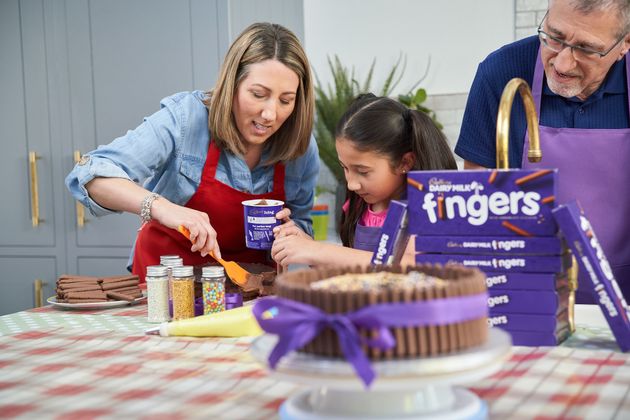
{"x":408,"y":389}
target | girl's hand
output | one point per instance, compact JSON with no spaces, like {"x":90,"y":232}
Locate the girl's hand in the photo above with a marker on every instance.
{"x":202,"y":234}
{"x":288,"y":227}
{"x":294,"y":249}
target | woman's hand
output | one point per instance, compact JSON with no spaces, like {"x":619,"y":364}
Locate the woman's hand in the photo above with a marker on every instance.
{"x":124,"y":195}
{"x":202,"y":234}
{"x":294,"y":249}
{"x":288,"y":226}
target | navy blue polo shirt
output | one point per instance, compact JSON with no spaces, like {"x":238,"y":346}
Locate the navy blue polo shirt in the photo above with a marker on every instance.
{"x":605,"y":108}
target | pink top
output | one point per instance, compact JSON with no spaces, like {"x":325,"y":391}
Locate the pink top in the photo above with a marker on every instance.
{"x":369,"y":218}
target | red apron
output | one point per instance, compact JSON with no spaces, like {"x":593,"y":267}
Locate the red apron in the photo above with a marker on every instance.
{"x":223,"y":205}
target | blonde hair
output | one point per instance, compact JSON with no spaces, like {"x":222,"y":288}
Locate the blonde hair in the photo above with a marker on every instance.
{"x":257,"y":43}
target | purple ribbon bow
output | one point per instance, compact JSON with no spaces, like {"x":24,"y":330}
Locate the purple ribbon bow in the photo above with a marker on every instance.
{"x":297,"y":324}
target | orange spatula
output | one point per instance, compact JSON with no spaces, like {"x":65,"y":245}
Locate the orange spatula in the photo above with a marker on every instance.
{"x":237,"y":273}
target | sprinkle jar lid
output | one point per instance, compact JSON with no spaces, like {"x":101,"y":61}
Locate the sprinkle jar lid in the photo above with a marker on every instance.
{"x":157,"y":270}
{"x":212,"y":271}
{"x":173,"y":262}
{"x":183,"y":271}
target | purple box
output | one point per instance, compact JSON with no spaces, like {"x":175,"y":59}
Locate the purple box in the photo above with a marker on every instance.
{"x":526,"y":281}
{"x":527,"y":302}
{"x":536,"y":338}
{"x":583,"y":242}
{"x":489,"y":245}
{"x":393,"y":239}
{"x":507,"y":263}
{"x":529,"y":322}
{"x":510,"y":202}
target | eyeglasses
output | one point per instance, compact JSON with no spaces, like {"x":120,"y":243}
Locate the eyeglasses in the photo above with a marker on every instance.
{"x":579,"y":53}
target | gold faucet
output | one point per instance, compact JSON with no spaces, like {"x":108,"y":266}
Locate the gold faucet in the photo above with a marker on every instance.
{"x":503,"y":122}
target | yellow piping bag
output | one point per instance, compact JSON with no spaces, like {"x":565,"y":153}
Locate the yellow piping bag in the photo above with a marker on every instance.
{"x":237,"y":322}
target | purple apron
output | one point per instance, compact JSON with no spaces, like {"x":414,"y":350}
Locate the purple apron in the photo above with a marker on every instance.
{"x":590,"y":166}
{"x":366,"y":237}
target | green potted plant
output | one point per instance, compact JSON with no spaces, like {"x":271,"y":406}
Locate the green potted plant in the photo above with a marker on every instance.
{"x":415,"y":99}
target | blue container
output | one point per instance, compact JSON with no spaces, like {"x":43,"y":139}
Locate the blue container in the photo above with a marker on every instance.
{"x":260,"y":219}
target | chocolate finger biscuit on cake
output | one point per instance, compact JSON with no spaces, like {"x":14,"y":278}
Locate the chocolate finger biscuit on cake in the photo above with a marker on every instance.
{"x":343,"y":291}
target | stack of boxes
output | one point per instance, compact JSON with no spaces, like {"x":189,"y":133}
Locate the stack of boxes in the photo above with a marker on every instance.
{"x":526,"y":278}
{"x":499,"y":221}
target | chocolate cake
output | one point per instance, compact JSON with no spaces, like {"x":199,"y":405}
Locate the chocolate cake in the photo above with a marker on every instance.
{"x":343,"y":290}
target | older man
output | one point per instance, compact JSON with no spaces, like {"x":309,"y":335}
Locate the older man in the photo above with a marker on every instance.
{"x":578,"y":70}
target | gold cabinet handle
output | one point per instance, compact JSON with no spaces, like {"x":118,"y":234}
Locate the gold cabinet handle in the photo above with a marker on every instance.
{"x":38,"y":287}
{"x":503,"y":122}
{"x":79,"y":207}
{"x":32,"y":164}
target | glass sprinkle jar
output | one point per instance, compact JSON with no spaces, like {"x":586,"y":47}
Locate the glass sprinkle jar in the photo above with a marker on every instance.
{"x":213,"y":289}
{"x":183,"y":292}
{"x":157,"y":294}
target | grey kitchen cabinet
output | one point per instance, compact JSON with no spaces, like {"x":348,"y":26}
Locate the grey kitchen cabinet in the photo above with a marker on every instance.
{"x":25,"y":274}
{"x":76,"y":74}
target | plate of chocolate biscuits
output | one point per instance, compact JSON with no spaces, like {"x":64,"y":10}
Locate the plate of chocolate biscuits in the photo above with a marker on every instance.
{"x":85,"y":292}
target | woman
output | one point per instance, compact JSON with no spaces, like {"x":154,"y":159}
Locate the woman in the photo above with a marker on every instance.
{"x":194,"y":161}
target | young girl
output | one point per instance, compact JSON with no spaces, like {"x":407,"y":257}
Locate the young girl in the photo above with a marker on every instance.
{"x":378,"y":141}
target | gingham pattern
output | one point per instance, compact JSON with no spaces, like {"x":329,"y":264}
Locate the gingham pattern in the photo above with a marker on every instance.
{"x":559,"y":382}
{"x":70,"y":373}
{"x":93,"y":372}
{"x":126,"y":319}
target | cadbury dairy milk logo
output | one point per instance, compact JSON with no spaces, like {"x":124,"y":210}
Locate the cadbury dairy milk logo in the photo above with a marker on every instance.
{"x":471,"y":244}
{"x":495,"y":245}
{"x":442,"y":185}
{"x":497,"y":320}
{"x":382,"y":248}
{"x":260,"y":211}
{"x":476,"y":208}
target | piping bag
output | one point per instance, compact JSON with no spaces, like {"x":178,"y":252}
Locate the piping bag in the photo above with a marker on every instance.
{"x":237,"y":322}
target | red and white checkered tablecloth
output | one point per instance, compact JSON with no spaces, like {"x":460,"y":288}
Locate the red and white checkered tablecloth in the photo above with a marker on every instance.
{"x":66,"y":372}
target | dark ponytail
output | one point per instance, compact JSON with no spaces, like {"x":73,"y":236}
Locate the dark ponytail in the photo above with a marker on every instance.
{"x":384,"y":126}
{"x":429,"y":145}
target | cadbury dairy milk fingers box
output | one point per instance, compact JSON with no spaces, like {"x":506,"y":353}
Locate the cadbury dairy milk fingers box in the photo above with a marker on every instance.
{"x":489,"y":245}
{"x":393,"y":239}
{"x":507,"y":263}
{"x":526,"y":281}
{"x":529,"y":322}
{"x":583,"y":242}
{"x":537,"y":338}
{"x":482,"y":202}
{"x":527,"y":301}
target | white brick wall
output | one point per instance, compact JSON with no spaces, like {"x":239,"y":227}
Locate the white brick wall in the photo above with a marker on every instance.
{"x":529,"y":5}
{"x":450,"y":108}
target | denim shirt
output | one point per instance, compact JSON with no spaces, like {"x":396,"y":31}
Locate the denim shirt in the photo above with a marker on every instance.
{"x":167,"y":152}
